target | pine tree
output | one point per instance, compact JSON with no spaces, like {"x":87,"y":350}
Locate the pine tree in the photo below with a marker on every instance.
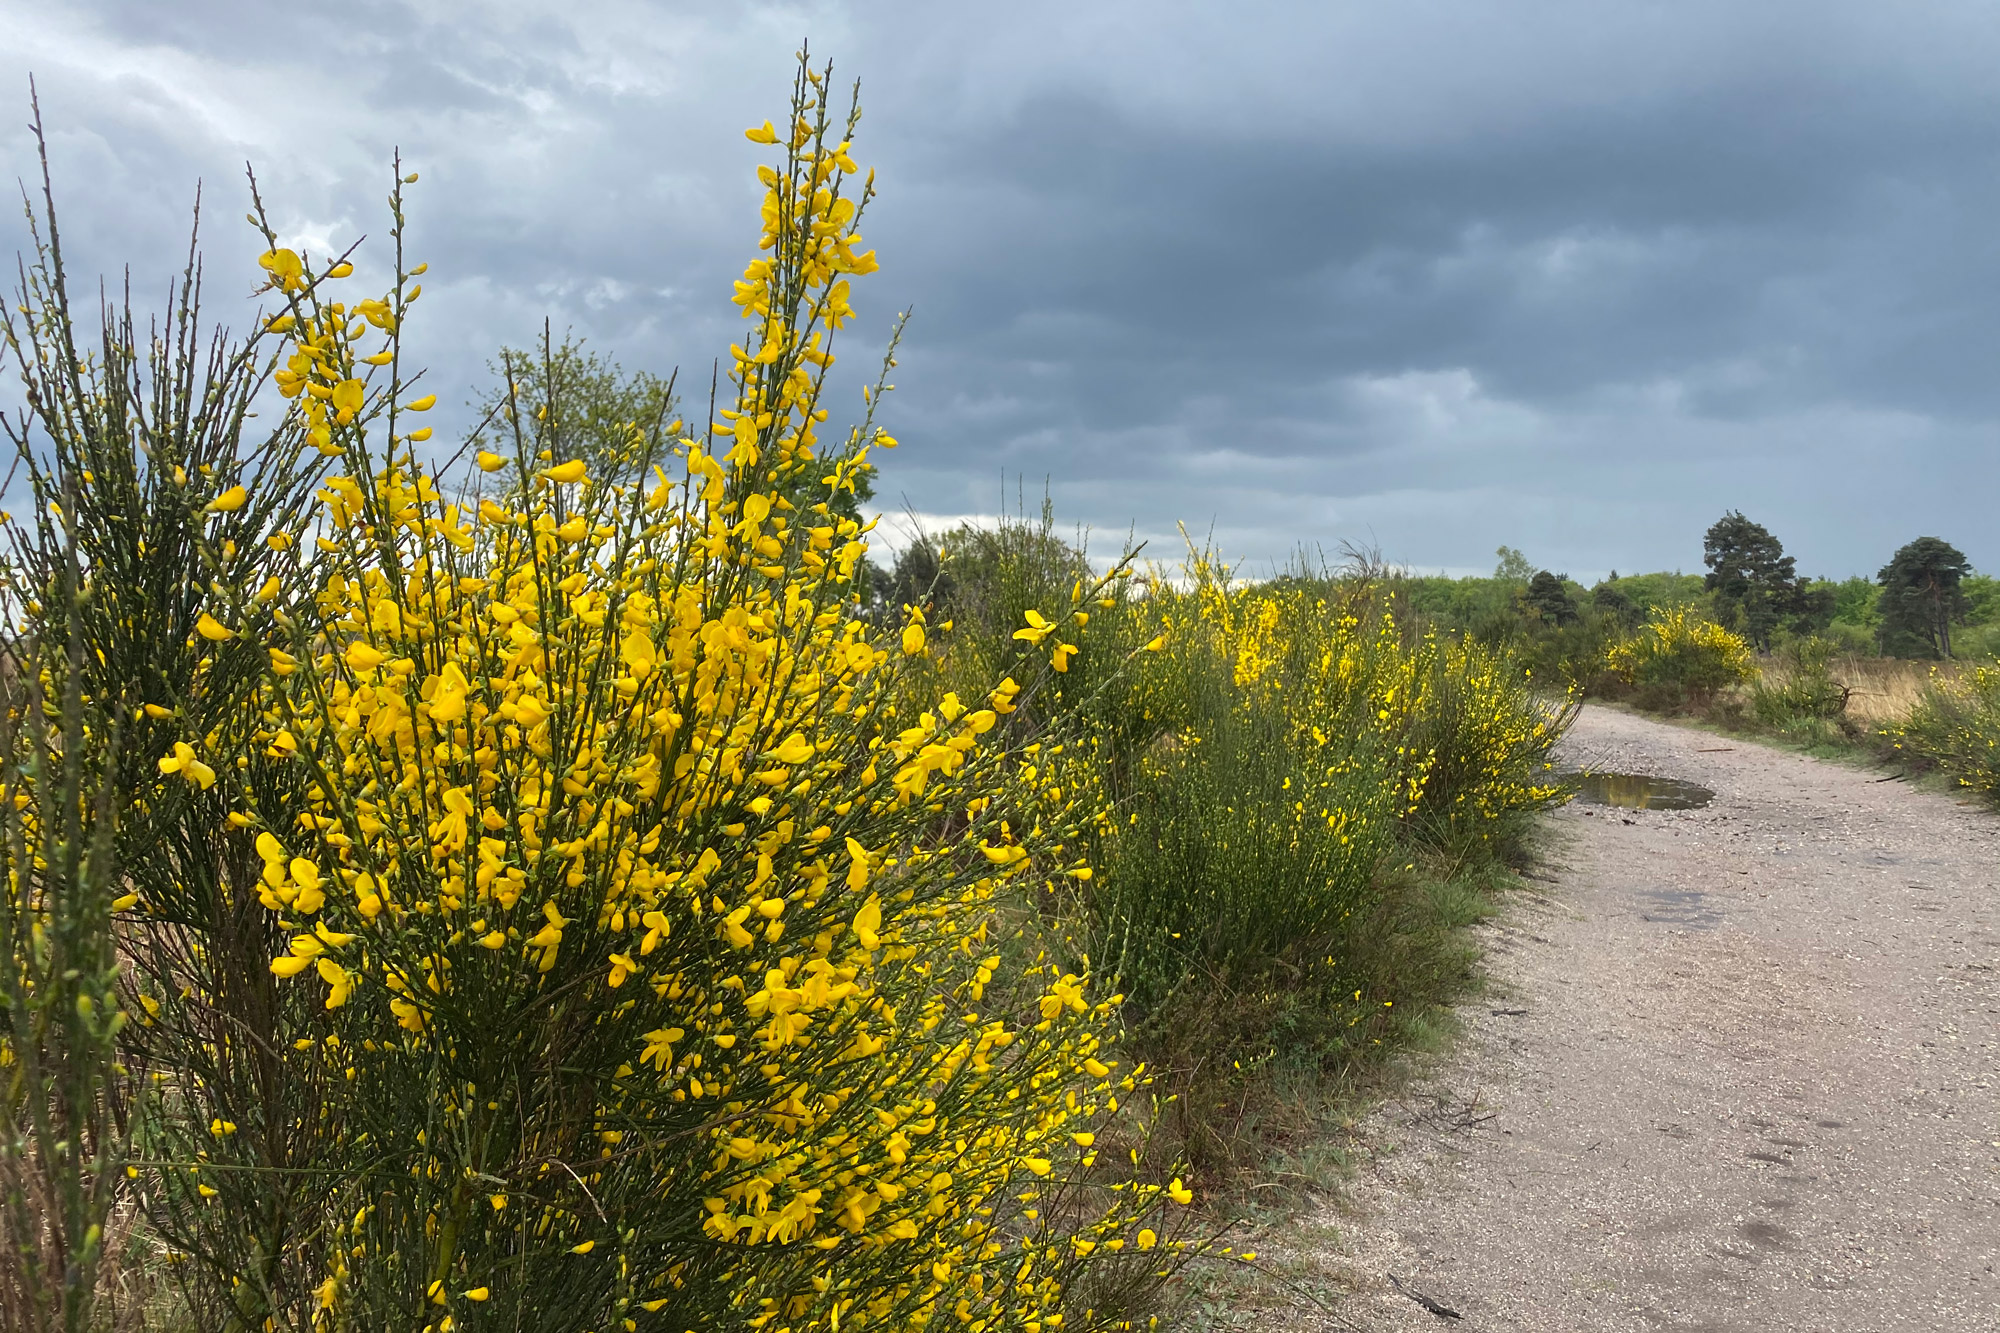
{"x":1921,"y":598}
{"x":1755,"y":583}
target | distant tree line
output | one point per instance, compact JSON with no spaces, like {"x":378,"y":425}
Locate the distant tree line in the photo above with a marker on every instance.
{"x":1927,"y":602}
{"x":1756,"y":590}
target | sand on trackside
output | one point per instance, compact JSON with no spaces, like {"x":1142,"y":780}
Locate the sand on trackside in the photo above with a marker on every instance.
{"x":1738,"y":1068}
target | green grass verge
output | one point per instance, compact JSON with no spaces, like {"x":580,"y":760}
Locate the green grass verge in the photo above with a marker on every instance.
{"x":1280,"y":1133}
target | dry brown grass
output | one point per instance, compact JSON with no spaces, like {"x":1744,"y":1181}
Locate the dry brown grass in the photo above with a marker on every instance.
{"x":1887,"y":688}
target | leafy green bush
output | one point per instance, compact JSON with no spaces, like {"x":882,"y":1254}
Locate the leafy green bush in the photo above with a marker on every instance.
{"x":1804,"y":701}
{"x":1554,"y":631}
{"x":1569,"y":657}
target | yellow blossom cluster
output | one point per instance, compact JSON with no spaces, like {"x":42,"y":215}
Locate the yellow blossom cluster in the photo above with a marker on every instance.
{"x":323,"y":372}
{"x":1449,"y":721}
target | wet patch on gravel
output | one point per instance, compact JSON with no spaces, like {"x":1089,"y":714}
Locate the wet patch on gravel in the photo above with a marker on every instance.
{"x":1639,"y":791}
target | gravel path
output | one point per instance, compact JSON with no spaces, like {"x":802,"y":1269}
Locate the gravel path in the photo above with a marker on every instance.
{"x":1756,"y":1085}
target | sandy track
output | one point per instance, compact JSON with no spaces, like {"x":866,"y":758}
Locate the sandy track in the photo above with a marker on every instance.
{"x":1756,"y":1085}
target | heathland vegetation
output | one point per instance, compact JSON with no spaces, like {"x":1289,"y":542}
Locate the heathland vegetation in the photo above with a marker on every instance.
{"x":550,"y":884}
{"x":1900,"y":665}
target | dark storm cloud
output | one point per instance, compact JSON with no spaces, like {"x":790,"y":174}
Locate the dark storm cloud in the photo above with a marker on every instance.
{"x":1572,"y":277}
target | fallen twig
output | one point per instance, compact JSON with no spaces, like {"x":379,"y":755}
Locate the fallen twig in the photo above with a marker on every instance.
{"x":1444,"y":1115}
{"x":1440,"y":1310}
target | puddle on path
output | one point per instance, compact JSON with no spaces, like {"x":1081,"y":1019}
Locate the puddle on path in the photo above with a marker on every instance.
{"x":1639,"y":791}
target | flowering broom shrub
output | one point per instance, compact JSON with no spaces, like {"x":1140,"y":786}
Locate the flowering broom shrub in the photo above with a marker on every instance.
{"x":1260,"y":810}
{"x":1283,"y":741}
{"x":1680,"y":656}
{"x":625,"y":955}
{"x":1487,"y":740}
{"x":1268,"y":772}
{"x":1955,"y":724}
{"x":1317,"y":712}
{"x":1466,"y":743}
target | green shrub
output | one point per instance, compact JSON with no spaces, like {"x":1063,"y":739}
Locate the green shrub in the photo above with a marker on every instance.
{"x":1805,"y":701}
{"x":1569,"y":657}
{"x":133,"y":448}
{"x":66,"y":1097}
{"x":1851,"y":640}
{"x":1977,"y":643}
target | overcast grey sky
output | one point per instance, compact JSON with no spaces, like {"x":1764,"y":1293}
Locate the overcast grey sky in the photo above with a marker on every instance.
{"x":1575,"y":277}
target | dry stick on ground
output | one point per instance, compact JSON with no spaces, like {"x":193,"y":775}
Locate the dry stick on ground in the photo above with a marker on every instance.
{"x":1449,"y":1116}
{"x":1440,"y":1310}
